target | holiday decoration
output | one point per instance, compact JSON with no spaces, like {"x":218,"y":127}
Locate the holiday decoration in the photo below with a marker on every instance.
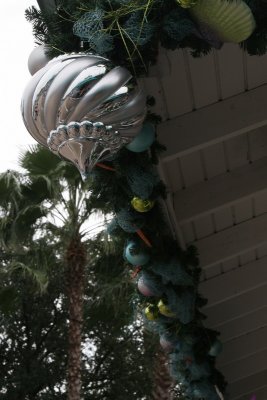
{"x":198,"y":370}
{"x":215,"y":348}
{"x":229,"y":21}
{"x":147,"y":285}
{"x":131,"y":222}
{"x":187,"y":3}
{"x":143,"y":140}
{"x":164,"y":309}
{"x":128,"y":32}
{"x":151,"y":312}
{"x":83,"y":109}
{"x":136,"y":254}
{"x":142,"y":205}
{"x":204,"y":390}
{"x":37,"y":59}
{"x":173,"y":272}
{"x":167,"y":343}
{"x":91,"y":113}
{"x":142,"y":182}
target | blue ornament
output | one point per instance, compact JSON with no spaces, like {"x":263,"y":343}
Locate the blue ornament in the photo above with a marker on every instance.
{"x":135,"y":254}
{"x":143,"y":140}
{"x":215,"y":348}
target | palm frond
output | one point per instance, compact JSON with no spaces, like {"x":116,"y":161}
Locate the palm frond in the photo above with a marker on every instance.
{"x":10,"y":188}
{"x":38,"y":161}
{"x":38,"y":276}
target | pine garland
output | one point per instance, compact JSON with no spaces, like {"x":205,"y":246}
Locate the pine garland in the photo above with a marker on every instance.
{"x":172,"y":275}
{"x":130,"y":32}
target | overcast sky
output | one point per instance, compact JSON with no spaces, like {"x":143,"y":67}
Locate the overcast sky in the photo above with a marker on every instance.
{"x":16,"y":43}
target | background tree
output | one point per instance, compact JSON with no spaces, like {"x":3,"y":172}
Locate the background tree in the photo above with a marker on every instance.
{"x":33,"y":337}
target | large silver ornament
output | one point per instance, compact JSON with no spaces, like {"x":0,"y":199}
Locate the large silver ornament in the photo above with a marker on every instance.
{"x":37,"y":59}
{"x":83,"y":109}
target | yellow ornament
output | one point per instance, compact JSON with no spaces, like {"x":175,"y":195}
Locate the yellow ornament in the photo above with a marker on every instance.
{"x":142,"y":205}
{"x":151,"y":312}
{"x":231,"y":21}
{"x":187,"y":3}
{"x":164,"y":309}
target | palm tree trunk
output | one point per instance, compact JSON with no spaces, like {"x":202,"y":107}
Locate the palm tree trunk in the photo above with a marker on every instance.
{"x":75,"y":261}
{"x":163,"y":383}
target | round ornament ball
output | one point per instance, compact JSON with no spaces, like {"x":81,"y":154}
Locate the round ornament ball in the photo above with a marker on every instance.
{"x":37,"y":59}
{"x":230,"y":21}
{"x":151,"y":312}
{"x":143,"y":140}
{"x":141,"y":205}
{"x":216,"y":348}
{"x":136,"y":254}
{"x":166,"y":343}
{"x":147,"y":286}
{"x":164,"y":309}
{"x":83,"y":109}
{"x":144,"y":288}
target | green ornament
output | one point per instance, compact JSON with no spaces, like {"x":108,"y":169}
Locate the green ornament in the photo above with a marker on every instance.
{"x":164,"y":309}
{"x":187,"y":3}
{"x":142,"y":205}
{"x":151,"y":312}
{"x":230,"y":21}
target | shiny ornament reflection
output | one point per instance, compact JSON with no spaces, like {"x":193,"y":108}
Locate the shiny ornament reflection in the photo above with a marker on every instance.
{"x":143,"y":140}
{"x":141,"y":205}
{"x":151,"y":312}
{"x":37,"y":59}
{"x":136,"y":255}
{"x":164,"y":309}
{"x":86,"y":90}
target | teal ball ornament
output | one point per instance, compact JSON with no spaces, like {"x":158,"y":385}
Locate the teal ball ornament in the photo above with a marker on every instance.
{"x":136,"y":254}
{"x":143,"y":140}
{"x":216,"y":348}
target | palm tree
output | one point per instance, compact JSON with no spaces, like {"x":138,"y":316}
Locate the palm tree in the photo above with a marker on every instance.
{"x":51,"y":189}
{"x":50,"y":199}
{"x":67,"y":210}
{"x":43,"y":219}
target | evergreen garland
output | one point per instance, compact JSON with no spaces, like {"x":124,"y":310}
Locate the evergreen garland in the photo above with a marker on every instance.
{"x":130,"y":32}
{"x":170,"y":273}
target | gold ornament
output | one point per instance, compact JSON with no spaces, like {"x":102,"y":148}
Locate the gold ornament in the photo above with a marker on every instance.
{"x":164,"y":309}
{"x":151,"y":312}
{"x":187,"y":3}
{"x":142,"y":205}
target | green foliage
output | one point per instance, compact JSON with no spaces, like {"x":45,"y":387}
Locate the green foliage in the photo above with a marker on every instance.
{"x":130,"y":32}
{"x":34,"y":344}
{"x":172,"y":275}
{"x":33,"y":329}
{"x":33,"y":301}
{"x":109,"y":290}
{"x":122,"y":361}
